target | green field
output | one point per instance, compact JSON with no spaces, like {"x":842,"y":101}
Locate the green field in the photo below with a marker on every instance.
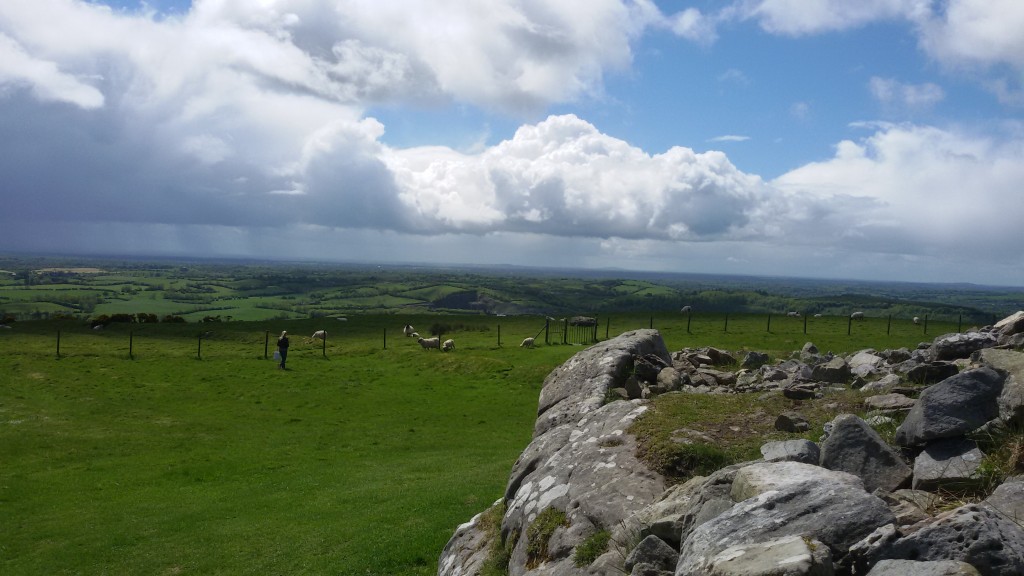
{"x":361,"y":460}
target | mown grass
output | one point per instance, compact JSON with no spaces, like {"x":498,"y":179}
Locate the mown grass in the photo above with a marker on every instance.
{"x":361,"y":461}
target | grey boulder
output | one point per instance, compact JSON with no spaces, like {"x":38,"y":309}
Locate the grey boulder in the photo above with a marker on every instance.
{"x":953,"y":407}
{"x":855,"y":447}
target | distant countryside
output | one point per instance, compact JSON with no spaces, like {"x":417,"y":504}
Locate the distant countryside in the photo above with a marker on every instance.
{"x":103,"y":291}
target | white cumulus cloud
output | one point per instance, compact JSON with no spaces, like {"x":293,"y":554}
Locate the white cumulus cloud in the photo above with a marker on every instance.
{"x":912,"y":189}
{"x":891,"y":91}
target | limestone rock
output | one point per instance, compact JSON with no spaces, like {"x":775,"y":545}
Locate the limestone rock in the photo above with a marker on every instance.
{"x":791,"y":451}
{"x":754,"y":360}
{"x":786,"y":556}
{"x":588,"y":469}
{"x":788,"y":499}
{"x":654,"y":552}
{"x":928,"y":372}
{"x":953,"y":407}
{"x":950,"y":464}
{"x":670,"y":379}
{"x":1008,"y":499}
{"x":865,"y":362}
{"x":912,"y":568}
{"x":835,"y":371}
{"x":1011,"y":400}
{"x":974,"y":534}
{"x":800,"y":390}
{"x":1012,"y":324}
{"x":579,"y":385}
{"x":855,"y":447}
{"x":953,"y":346}
{"x":889,"y":403}
{"x":467,"y":550}
{"x":883,"y":383}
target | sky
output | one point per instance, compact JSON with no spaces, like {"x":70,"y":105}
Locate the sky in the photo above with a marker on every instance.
{"x":872,"y":140}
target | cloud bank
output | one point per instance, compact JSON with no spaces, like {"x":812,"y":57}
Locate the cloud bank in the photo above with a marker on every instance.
{"x":244,"y":128}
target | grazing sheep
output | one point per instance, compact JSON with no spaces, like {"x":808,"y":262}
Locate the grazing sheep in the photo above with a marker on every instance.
{"x":428,"y":343}
{"x":685,"y":309}
{"x":409,"y":330}
{"x":917,"y":320}
{"x":319,"y":335}
{"x":415,"y":335}
{"x":793,"y":314}
{"x":448,"y":345}
{"x":527,"y":343}
{"x":857,"y":316}
{"x":817,"y":315}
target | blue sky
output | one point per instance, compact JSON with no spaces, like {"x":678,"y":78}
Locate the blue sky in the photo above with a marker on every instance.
{"x":881,"y":139}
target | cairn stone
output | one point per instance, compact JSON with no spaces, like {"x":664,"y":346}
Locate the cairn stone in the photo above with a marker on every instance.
{"x":913,"y":568}
{"x":975,"y":534}
{"x":951,"y":464}
{"x":855,"y":447}
{"x":791,"y":451}
{"x":953,"y":407}
{"x":954,"y":346}
{"x":835,"y":371}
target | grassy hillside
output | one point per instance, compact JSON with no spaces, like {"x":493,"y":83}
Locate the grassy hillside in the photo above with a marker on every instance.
{"x":361,"y":461}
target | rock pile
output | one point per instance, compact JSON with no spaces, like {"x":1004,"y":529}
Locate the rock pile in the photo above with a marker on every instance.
{"x":848,"y":504}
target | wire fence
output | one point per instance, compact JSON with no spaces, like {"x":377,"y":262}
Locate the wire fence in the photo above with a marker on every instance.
{"x":576,"y":331}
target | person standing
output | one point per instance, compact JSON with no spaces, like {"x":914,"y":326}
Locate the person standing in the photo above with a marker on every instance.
{"x":282,"y":348}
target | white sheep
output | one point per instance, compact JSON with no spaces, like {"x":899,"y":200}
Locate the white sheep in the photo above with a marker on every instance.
{"x":319,"y":335}
{"x":448,"y":345}
{"x":685,"y":309}
{"x":428,"y":343}
{"x":415,"y":335}
{"x":793,"y":314}
{"x":409,"y":331}
{"x":817,"y":315}
{"x":857,"y":316}
{"x":527,"y":342}
{"x":917,"y":320}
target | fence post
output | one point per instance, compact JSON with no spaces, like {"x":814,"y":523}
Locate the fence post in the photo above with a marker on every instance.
{"x":726,"y":323}
{"x":131,"y":341}
{"x":688,"y":316}
{"x":959,"y":323}
{"x":925,"y":323}
{"x":565,"y":331}
{"x":266,"y":343}
{"x":547,"y":331}
{"x":199,"y":349}
{"x":499,"y":335}
{"x":593,"y":337}
{"x":849,"y":324}
{"x":805,"y":323}
{"x":58,"y":344}
{"x":652,"y":323}
{"x":608,"y":321}
{"x":769,"y":323}
{"x":888,"y":327}
{"x":324,"y":345}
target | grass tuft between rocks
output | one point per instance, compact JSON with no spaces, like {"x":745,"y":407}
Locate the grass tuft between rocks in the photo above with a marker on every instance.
{"x":684,"y":435}
{"x":539,"y":532}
